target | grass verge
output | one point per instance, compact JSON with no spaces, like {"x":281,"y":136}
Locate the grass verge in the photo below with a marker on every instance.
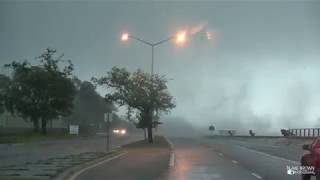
{"x":31,"y":137}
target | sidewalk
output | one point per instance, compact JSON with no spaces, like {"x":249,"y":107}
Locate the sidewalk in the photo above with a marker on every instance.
{"x":143,"y":161}
{"x":50,"y":168}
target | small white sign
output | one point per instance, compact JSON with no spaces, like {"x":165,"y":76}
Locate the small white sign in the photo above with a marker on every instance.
{"x":106,"y":116}
{"x":74,"y":129}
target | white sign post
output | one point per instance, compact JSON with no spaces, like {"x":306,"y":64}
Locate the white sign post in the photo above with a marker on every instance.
{"x":108,"y":119}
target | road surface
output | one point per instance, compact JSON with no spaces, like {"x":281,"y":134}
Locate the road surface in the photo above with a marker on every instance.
{"x":195,"y":159}
{"x":283,"y":147}
{"x":203,"y":158}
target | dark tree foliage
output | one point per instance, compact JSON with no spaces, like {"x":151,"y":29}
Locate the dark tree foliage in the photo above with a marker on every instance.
{"x":286,"y":132}
{"x":41,"y":92}
{"x":4,"y":85}
{"x":140,"y":91}
{"x":211,"y":128}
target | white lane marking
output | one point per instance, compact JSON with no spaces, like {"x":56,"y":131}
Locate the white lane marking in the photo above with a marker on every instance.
{"x":256,"y":175}
{"x":220,"y":154}
{"x":234,"y":161}
{"x":75,"y":175}
{"x":271,"y":156}
{"x":246,"y":143}
{"x":170,"y":143}
{"x":172,"y":159}
{"x":172,"y":155}
{"x":273,"y":146}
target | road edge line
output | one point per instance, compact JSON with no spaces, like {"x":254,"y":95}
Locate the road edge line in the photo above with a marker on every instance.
{"x":74,"y":173}
{"x":170,"y":143}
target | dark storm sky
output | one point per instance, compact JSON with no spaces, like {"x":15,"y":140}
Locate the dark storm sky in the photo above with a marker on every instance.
{"x":260,"y":70}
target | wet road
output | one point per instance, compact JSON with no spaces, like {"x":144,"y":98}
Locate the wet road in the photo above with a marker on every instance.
{"x":282,"y":147}
{"x":195,"y":160}
{"x":210,"y":159}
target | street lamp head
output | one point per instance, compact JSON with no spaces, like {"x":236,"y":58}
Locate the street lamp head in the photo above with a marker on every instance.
{"x":124,"y":37}
{"x":181,"y":37}
{"x":209,"y":35}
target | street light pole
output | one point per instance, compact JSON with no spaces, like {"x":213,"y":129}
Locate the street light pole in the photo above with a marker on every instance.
{"x":151,"y":44}
{"x":152,"y":63}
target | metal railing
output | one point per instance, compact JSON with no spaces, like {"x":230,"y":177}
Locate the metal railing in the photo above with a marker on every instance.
{"x":305,"y":132}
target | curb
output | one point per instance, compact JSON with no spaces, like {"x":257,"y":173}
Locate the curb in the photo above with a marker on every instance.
{"x":76,"y":174}
{"x":66,"y":175}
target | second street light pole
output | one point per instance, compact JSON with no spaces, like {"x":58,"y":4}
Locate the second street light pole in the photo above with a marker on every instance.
{"x":152,"y":60}
{"x":180,"y":38}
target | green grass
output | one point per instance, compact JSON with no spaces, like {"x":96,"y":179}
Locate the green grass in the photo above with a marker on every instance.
{"x":30,"y":137}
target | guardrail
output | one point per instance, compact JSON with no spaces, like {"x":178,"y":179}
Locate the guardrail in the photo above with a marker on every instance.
{"x":305,"y":132}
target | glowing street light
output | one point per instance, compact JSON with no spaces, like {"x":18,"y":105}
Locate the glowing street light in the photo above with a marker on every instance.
{"x":209,"y":35}
{"x":181,"y":37}
{"x":124,"y":37}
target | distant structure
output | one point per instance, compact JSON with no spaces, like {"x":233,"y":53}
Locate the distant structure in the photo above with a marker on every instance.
{"x":251,"y":133}
{"x":227,"y":132}
{"x":211,"y":129}
{"x":286,"y":132}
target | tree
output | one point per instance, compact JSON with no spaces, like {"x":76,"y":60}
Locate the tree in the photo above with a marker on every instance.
{"x":211,"y":128}
{"x":4,"y":84}
{"x":140,"y":91}
{"x":89,"y":107}
{"x":41,"y":92}
{"x":251,"y":133}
